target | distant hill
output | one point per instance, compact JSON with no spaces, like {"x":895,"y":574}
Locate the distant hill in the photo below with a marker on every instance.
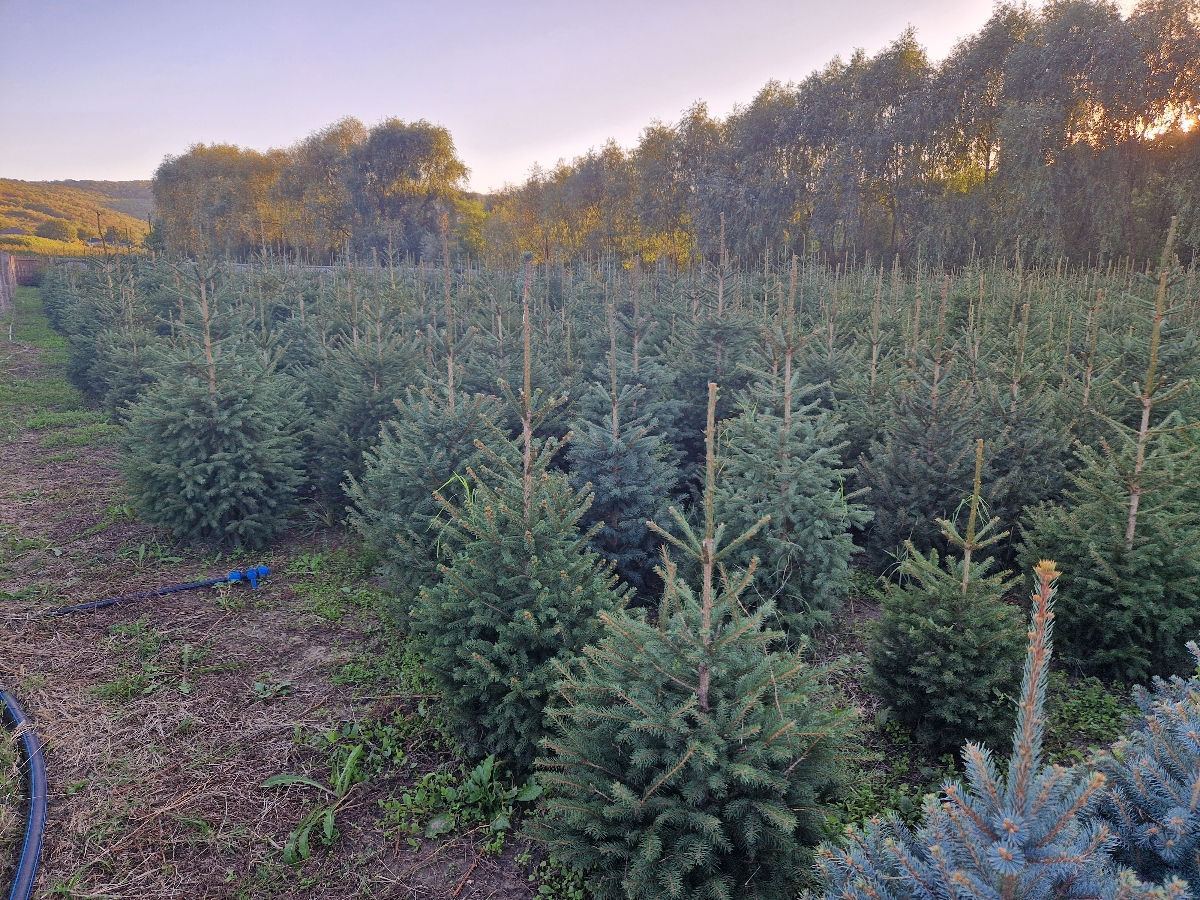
{"x":71,"y":208}
{"x":133,"y":198}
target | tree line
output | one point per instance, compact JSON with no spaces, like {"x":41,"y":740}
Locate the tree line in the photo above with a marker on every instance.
{"x":1064,"y":131}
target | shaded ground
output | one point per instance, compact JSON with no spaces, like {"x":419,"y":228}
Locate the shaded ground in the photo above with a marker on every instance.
{"x":162,"y":718}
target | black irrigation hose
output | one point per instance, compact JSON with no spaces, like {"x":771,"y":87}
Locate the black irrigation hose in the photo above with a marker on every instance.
{"x":251,"y":575}
{"x":31,"y":852}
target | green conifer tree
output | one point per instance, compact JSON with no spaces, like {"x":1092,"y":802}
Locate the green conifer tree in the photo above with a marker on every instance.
{"x":1012,"y":837}
{"x":617,"y":454}
{"x":428,"y":446}
{"x":945,"y":650}
{"x":921,"y":468}
{"x":706,"y":344}
{"x":521,"y":591}
{"x":780,"y":457}
{"x":688,"y":757}
{"x":213,"y":448}
{"x":1129,"y":526}
{"x":351,"y":393}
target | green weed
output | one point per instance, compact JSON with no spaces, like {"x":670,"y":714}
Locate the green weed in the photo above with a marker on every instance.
{"x":126,"y":687}
{"x":11,"y":792}
{"x":154,"y":552}
{"x":1082,"y":717}
{"x":139,"y":636}
{"x":334,"y":583}
{"x":385,"y":742}
{"x":146,"y":645}
{"x":554,"y":881}
{"x":440,"y":802}
{"x":55,"y":393}
{"x":266,"y":688}
{"x":344,"y":776}
{"x":113,"y":513}
{"x":902,"y":776}
{"x":395,"y":667}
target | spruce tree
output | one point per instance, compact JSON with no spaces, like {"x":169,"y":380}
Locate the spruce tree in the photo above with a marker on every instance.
{"x":780,"y":457}
{"x":921,"y":467}
{"x":1027,"y":461}
{"x":617,"y":454}
{"x":1012,"y":837}
{"x":521,"y":591}
{"x":213,"y":448}
{"x":1129,"y":525}
{"x":426,"y":447}
{"x":691,"y":754}
{"x":351,"y":393}
{"x":112,"y":343}
{"x":1152,"y":801}
{"x":706,"y":343}
{"x":1137,"y":596}
{"x":945,"y":650}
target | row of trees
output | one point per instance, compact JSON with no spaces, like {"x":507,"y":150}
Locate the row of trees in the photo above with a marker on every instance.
{"x":687,"y":743}
{"x":1069,"y":129}
{"x":1062,"y":129}
{"x":850,"y":411}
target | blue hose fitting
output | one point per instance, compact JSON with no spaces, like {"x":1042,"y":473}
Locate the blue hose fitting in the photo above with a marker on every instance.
{"x":251,"y":575}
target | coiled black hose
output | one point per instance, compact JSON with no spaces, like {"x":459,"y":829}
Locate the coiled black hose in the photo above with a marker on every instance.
{"x":31,"y":851}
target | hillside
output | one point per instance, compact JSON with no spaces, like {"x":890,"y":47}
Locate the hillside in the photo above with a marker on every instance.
{"x":134,"y":198}
{"x":26,"y":206}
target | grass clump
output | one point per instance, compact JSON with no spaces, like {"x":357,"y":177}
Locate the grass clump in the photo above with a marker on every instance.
{"x":11,"y":802}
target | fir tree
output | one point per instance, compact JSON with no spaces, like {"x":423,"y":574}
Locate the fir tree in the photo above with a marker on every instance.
{"x":688,"y":758}
{"x":1152,"y":801}
{"x":945,"y":650}
{"x":521,"y":591}
{"x":213,"y":448}
{"x":1013,"y":837}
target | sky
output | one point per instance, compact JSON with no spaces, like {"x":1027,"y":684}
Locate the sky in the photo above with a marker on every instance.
{"x":105,"y":89}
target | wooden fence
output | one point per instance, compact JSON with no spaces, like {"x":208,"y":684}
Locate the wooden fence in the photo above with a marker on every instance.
{"x":8,"y":279}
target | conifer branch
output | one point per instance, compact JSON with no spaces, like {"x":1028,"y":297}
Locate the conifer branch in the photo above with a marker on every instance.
{"x":661,"y":781}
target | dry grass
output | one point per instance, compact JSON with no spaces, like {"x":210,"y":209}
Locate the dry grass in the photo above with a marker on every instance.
{"x":157,"y":742}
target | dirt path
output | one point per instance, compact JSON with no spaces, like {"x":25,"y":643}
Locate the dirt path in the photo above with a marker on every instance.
{"x":162,"y":718}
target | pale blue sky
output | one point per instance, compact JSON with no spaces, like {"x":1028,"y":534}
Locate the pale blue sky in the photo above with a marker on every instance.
{"x":106,"y":89}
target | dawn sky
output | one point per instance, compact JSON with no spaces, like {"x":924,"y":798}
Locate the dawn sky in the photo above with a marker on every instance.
{"x":105,"y":90}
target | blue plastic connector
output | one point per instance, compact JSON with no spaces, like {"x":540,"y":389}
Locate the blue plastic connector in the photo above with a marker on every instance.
{"x":251,"y":575}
